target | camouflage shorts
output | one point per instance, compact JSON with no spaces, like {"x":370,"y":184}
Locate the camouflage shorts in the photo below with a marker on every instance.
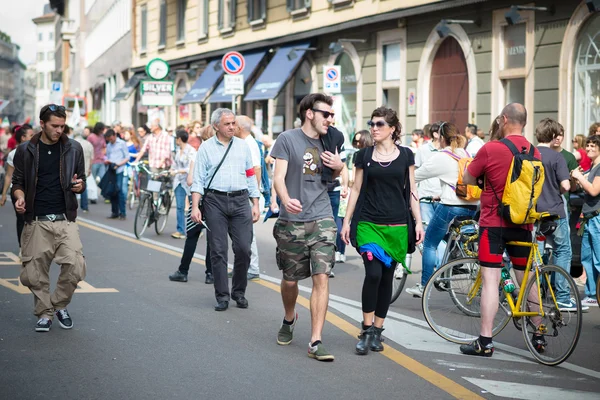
{"x":301,"y":245}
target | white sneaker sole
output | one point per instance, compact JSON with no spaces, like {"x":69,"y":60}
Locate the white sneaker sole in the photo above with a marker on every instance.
{"x":64,"y":326}
{"x":415,"y":293}
{"x":42,"y":329}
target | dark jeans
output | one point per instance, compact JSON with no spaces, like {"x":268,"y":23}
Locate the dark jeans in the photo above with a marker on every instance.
{"x":229,"y":216}
{"x":20,"y":225}
{"x":84,"y":200}
{"x":117,"y":201}
{"x":191,"y":241}
{"x":334,"y":198}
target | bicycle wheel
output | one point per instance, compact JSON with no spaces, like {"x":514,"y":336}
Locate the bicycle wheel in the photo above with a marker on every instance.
{"x":162,"y":214}
{"x":142,"y":216}
{"x":457,"y":320}
{"x":131,"y":194}
{"x":561,"y":328}
{"x":399,"y":281}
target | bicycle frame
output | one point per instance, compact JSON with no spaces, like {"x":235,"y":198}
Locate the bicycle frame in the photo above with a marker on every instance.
{"x":534,"y":261}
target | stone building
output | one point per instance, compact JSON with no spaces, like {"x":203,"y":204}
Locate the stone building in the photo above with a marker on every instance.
{"x":12,"y":80}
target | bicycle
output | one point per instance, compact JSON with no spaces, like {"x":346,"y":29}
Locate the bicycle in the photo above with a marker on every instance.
{"x":460,"y":241}
{"x":459,"y":321}
{"x":134,"y":188}
{"x":150,"y":210}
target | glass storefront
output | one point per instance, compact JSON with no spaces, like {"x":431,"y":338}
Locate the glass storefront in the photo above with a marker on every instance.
{"x":345,"y":102}
{"x":586,"y":101}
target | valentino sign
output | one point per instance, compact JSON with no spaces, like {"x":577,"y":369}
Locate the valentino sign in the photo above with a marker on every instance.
{"x":157,"y":93}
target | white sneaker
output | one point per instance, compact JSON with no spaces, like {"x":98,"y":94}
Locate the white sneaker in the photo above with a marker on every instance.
{"x":588,"y":301}
{"x":342,"y":258}
{"x":337,"y":256}
{"x":416,"y":291}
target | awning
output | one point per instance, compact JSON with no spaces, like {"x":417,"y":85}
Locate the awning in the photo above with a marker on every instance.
{"x":278,"y":72}
{"x":252,"y":61}
{"x":129,"y":87}
{"x":205,"y":83}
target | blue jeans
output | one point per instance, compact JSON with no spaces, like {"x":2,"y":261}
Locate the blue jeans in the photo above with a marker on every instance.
{"x":98,"y":170}
{"x":334,"y":198}
{"x":427,"y":210}
{"x":117,"y":201}
{"x":180,"y":195}
{"x":84,"y":200}
{"x":590,"y":254}
{"x":561,"y":257}
{"x":436,"y":230}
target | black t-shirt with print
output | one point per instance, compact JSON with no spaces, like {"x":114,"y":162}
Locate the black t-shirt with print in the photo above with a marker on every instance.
{"x":49,"y":195}
{"x":384,"y":198}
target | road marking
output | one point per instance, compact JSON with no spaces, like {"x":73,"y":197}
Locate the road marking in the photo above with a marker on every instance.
{"x":530,"y":392}
{"x":14,"y":284}
{"x":82,"y":287}
{"x":8,"y":258}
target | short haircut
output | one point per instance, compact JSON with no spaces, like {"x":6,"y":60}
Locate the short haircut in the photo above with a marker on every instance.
{"x":20,"y":131}
{"x":391,"y":117}
{"x":109,"y":133}
{"x":594,"y":139}
{"x":548,"y":129}
{"x":593,"y":128}
{"x":244,"y":122}
{"x":183,"y":135}
{"x":217,"y":115}
{"x":365,"y":139}
{"x":98,"y":128}
{"x":89,"y":128}
{"x":309,"y":101}
{"x":515,"y":113}
{"x":419,"y":132}
{"x":46,"y":112}
{"x":472,"y":128}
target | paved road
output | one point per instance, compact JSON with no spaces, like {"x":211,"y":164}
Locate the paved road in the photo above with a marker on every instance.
{"x":137,"y":335}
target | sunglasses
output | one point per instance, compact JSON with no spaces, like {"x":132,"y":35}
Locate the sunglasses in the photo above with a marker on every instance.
{"x":379,"y":124}
{"x":326,"y":114}
{"x":52,"y":108}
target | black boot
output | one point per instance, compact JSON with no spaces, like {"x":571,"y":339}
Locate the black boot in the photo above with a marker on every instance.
{"x":376,"y":344}
{"x":366,"y":338}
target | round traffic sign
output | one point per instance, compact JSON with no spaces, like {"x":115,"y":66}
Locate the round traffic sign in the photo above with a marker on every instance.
{"x":233,"y":63}
{"x":331,"y":74}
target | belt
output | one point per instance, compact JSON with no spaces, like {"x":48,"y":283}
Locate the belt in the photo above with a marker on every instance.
{"x":228,"y":194}
{"x":584,"y":218}
{"x":50,"y":217}
{"x":591,"y":215}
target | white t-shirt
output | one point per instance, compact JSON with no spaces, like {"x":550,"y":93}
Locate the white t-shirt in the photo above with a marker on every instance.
{"x":474,"y":145}
{"x":11,"y":157}
{"x":428,"y":187}
{"x":254,"y":150}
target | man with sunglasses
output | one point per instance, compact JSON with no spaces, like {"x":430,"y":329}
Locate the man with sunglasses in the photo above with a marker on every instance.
{"x":306,"y":231}
{"x":49,"y":172}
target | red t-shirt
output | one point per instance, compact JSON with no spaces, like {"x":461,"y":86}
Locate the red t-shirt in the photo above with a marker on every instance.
{"x":585,"y":162}
{"x":12,"y":143}
{"x":493,"y":160}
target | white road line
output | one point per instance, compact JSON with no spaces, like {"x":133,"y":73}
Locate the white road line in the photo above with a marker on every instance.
{"x":530,"y":392}
{"x":523,"y":354}
{"x":493,"y":370}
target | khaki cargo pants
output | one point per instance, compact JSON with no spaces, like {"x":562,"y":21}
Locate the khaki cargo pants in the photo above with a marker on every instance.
{"x":42,"y":242}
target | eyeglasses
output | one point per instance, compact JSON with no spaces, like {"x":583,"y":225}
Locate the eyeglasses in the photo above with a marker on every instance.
{"x":326,"y":114}
{"x":379,"y":124}
{"x":52,"y":108}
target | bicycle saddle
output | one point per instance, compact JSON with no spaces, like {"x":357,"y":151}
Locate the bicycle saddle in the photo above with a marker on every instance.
{"x":548,"y":223}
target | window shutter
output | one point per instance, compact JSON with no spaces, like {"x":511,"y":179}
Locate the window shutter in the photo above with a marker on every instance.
{"x":290,"y":5}
{"x":250,"y":9}
{"x":220,"y":14}
{"x":263,"y":10}
{"x":232,"y":9}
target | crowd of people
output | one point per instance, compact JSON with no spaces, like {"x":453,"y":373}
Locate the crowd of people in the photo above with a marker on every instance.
{"x":226,"y":175}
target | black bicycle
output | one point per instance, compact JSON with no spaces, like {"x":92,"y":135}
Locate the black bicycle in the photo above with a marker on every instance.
{"x":155,"y":203}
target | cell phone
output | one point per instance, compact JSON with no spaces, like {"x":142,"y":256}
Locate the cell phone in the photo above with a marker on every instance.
{"x":73,"y":183}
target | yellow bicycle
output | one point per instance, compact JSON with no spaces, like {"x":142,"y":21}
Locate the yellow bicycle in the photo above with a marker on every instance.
{"x":458,"y":320}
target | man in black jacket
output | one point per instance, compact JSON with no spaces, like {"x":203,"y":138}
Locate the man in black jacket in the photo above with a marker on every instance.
{"x":49,"y":171}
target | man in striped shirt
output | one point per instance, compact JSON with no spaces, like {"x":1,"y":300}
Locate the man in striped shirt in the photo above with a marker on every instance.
{"x":158,"y":147}
{"x":225,"y":204}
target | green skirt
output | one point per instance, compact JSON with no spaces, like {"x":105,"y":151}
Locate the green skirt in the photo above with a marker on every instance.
{"x":393,"y":239}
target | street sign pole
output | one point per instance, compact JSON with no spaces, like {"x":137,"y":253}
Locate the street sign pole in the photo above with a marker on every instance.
{"x":233,"y":64}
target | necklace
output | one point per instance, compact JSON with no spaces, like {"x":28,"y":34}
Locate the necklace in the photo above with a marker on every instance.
{"x":384,"y":154}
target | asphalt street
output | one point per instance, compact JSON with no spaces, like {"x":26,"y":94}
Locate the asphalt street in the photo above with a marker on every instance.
{"x":137,"y":335}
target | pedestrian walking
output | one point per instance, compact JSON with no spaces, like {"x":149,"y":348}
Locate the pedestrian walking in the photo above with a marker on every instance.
{"x":49,"y":172}
{"x":305,"y":231}
{"x":117,"y":156}
{"x":96,"y":138}
{"x":377,"y":218}
{"x":181,"y":165}
{"x":224,"y":181}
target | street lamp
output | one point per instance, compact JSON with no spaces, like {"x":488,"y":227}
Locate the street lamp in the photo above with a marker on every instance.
{"x":513,"y":17}
{"x":338,"y":46}
{"x":443,"y":29}
{"x":292,"y":53}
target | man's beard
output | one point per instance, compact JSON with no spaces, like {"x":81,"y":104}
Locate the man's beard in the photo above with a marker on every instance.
{"x":313,"y":123}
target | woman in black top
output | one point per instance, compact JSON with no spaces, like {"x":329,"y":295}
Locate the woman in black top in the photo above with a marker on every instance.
{"x":379,"y":214}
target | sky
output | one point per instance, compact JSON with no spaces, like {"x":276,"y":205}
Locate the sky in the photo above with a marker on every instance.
{"x":16,"y":22}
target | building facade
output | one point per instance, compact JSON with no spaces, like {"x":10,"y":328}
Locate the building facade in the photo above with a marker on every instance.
{"x":12,"y":80}
{"x":30,"y":112}
{"x":409,"y":55}
{"x":45,"y":52}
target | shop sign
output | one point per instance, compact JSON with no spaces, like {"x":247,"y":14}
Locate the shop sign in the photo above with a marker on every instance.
{"x":332,"y":79}
{"x":157,"y":93}
{"x":412,"y":101}
{"x":234,"y":85}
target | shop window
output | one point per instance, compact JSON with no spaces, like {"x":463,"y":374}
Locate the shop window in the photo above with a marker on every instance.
{"x":257,"y":12}
{"x":144,"y":28}
{"x":202,"y":19}
{"x":162,"y":38}
{"x":226,"y":16}
{"x":586,"y":85}
{"x":181,"y":6}
{"x":512,"y":64}
{"x":391,"y":62}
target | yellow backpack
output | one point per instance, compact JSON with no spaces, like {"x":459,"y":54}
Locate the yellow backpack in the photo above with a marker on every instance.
{"x":523,"y":186}
{"x":463,"y":191}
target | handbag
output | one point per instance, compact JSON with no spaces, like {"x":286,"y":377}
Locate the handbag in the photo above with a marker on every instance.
{"x":189,"y":223}
{"x":410,"y":219}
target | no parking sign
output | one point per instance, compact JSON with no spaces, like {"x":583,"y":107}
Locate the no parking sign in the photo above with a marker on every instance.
{"x":332,"y":79}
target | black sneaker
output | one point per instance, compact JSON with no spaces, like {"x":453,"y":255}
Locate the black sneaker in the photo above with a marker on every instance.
{"x":43,"y":325}
{"x":177,"y":276}
{"x":209,"y":279}
{"x":64,"y":319}
{"x":476,"y":349}
{"x":539,"y":342}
